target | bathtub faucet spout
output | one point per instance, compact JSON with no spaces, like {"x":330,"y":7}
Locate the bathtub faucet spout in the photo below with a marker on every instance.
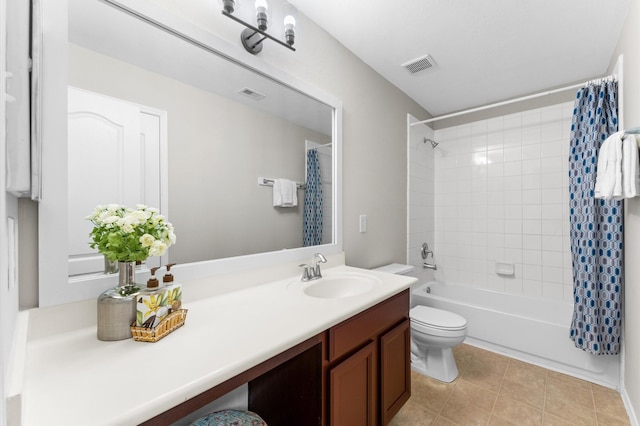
{"x":426,"y":265}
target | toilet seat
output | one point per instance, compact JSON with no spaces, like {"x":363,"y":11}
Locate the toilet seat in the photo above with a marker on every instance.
{"x":433,"y":318}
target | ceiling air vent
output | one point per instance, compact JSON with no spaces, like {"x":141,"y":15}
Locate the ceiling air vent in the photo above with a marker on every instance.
{"x":256,"y":96}
{"x":419,"y":64}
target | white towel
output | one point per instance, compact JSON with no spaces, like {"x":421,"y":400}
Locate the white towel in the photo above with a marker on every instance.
{"x":630,"y":169}
{"x":285,"y":193}
{"x":618,"y":192}
{"x":609,"y":173}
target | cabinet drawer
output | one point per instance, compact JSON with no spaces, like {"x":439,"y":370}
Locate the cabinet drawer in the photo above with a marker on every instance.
{"x":355,"y":331}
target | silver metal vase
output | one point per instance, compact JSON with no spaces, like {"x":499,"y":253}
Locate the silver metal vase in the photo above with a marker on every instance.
{"x":117,"y":306}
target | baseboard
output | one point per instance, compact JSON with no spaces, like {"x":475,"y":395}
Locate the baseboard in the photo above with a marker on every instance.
{"x":15,"y":374}
{"x":633,"y":418}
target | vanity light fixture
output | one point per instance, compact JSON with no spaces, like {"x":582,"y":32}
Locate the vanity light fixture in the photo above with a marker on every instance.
{"x":253,"y":35}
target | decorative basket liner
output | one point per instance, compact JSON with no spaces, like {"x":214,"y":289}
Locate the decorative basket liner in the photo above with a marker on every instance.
{"x":172,"y":322}
{"x":230,"y":418}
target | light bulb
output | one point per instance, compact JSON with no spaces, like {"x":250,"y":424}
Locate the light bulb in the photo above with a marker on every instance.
{"x":289,"y":23}
{"x":262,"y":6}
{"x":261,"y":14}
{"x":229,"y":6}
{"x":289,"y":29}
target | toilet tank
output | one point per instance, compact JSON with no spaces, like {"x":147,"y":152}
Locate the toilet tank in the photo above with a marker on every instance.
{"x":398,"y":269}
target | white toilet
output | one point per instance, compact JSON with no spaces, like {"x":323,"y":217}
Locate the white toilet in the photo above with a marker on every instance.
{"x":433,"y":333}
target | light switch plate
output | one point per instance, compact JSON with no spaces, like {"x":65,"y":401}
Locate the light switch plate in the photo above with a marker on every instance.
{"x":363,"y":223}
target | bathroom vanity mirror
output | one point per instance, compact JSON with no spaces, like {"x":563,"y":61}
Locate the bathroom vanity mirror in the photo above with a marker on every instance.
{"x":220,"y":121}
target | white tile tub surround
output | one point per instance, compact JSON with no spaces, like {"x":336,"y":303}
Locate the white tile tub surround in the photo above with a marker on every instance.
{"x":421,"y":194}
{"x":501,"y":195}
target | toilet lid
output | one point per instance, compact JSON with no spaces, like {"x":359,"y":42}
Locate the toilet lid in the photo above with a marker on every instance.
{"x":437,"y":318}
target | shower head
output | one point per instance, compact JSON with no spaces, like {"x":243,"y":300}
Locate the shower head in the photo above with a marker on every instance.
{"x":433,"y":143}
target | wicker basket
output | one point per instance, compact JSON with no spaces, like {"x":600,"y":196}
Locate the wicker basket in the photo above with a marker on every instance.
{"x":172,"y":322}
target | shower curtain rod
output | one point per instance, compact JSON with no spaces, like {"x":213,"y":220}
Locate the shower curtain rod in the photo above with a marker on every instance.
{"x":510,"y":101}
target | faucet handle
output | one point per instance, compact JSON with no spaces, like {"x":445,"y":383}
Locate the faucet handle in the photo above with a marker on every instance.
{"x":305,"y":272}
{"x":425,"y":252}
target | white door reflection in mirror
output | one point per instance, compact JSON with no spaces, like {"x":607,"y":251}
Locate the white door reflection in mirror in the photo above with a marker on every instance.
{"x":114,"y":156}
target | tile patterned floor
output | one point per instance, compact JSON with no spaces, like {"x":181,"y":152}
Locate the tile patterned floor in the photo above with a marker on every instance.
{"x":492,"y":389}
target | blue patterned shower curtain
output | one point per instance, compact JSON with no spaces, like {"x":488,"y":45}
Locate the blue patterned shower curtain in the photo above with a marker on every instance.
{"x":596,"y":226}
{"x":313,"y":201}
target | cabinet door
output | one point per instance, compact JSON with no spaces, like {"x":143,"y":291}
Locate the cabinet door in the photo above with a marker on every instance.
{"x":352,"y":386}
{"x":395,"y":370}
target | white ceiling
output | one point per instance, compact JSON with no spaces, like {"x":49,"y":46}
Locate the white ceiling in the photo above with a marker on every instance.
{"x":485,"y":50}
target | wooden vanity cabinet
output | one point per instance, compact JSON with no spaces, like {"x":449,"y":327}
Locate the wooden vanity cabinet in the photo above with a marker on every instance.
{"x":368,"y":365}
{"x":357,"y":373}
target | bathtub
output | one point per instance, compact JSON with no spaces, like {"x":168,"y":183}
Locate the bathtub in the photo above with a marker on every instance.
{"x":534,"y":330}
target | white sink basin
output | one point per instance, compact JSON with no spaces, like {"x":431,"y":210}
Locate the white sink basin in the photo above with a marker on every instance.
{"x":339,"y":286}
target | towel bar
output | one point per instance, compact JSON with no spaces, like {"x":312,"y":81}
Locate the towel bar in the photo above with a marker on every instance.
{"x":269,"y":182}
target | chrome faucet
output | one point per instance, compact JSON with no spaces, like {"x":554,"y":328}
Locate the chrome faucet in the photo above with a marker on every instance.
{"x":318,"y":258}
{"x":307,"y":272}
{"x":312,"y":272}
{"x":425,"y":252}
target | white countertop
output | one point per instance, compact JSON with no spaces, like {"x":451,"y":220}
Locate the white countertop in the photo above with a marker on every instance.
{"x":233,"y":324}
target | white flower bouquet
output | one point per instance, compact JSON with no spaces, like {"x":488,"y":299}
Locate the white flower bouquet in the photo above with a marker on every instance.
{"x":128,"y":235}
